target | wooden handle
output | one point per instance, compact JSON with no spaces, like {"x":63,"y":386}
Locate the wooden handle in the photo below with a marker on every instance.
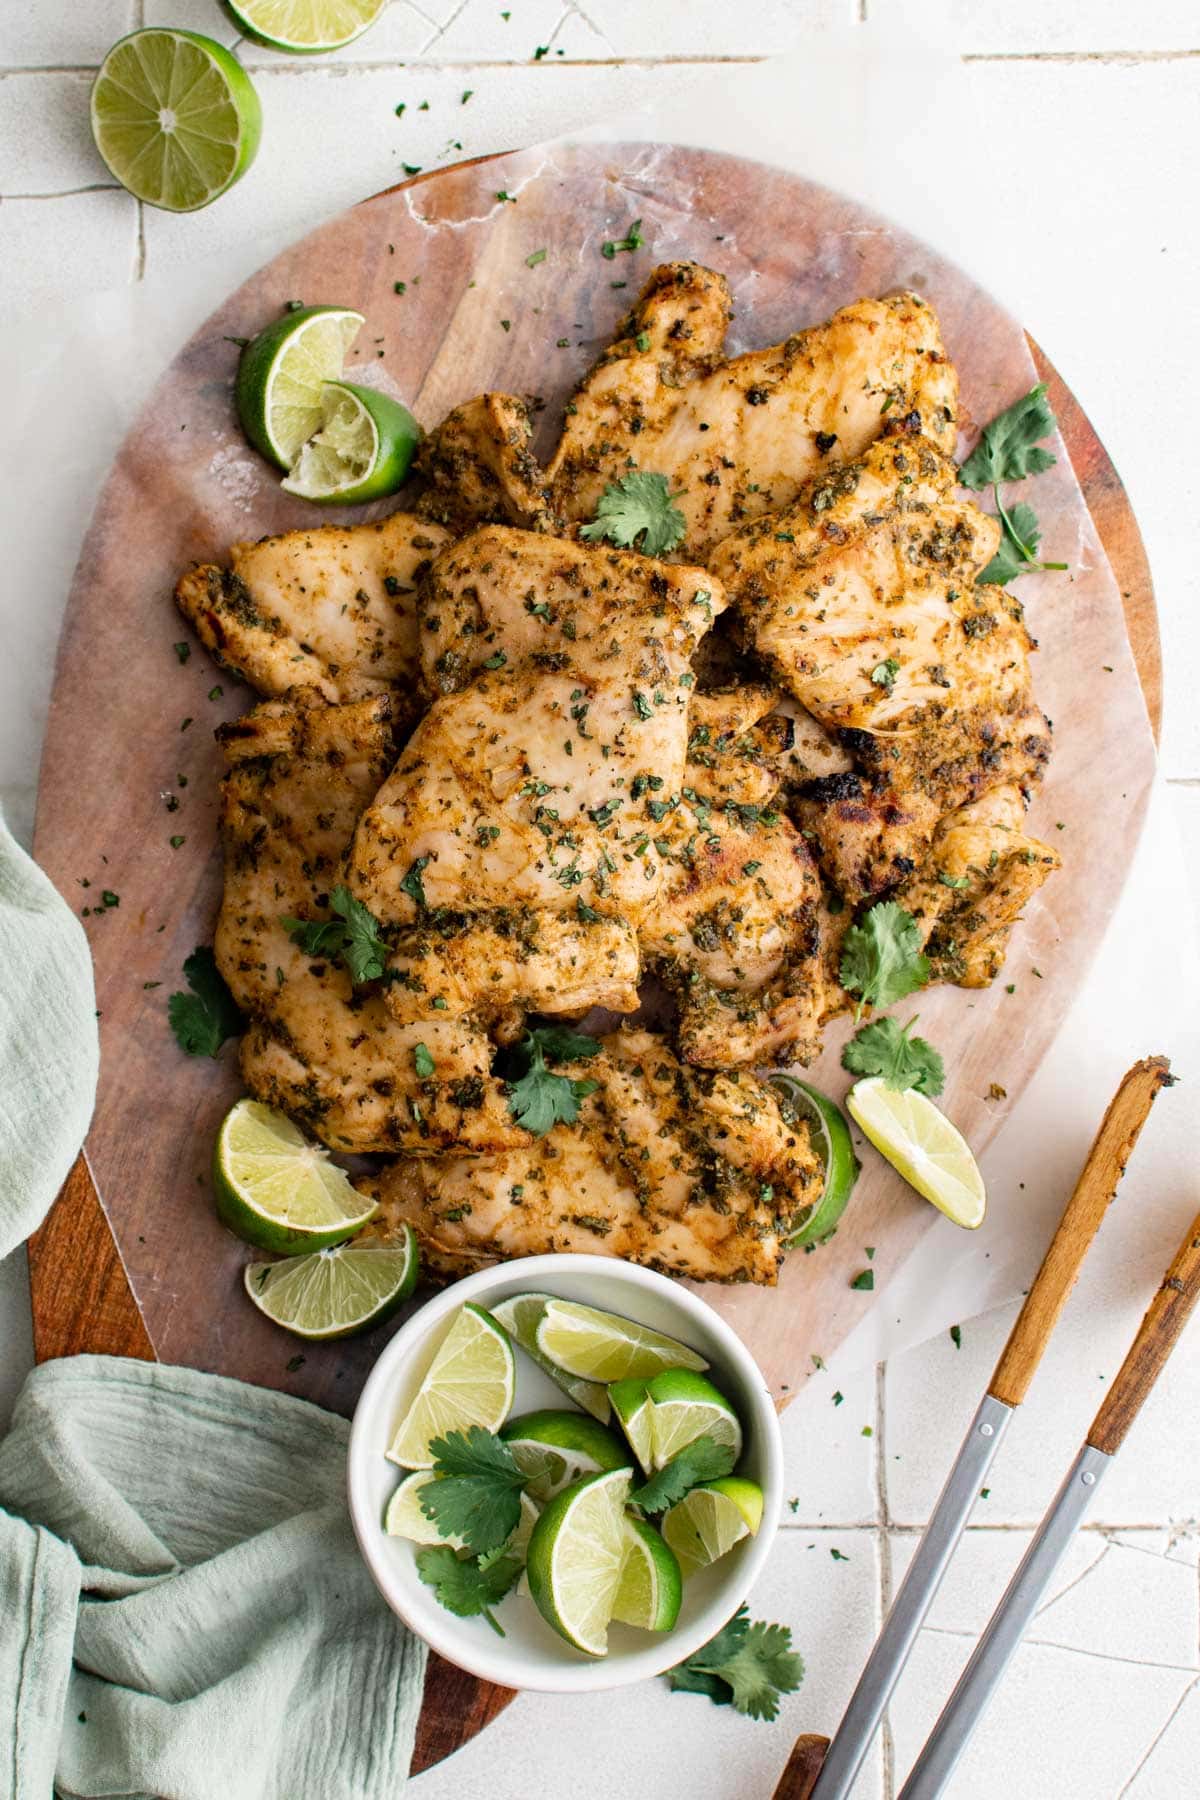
{"x":1079,"y":1224}
{"x":803,"y":1767}
{"x":1168,"y":1313}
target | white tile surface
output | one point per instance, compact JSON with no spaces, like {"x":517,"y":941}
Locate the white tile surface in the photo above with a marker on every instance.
{"x":1098,"y":152}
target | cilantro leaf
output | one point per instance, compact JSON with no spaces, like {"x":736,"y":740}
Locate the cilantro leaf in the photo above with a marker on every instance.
{"x":882,"y":959}
{"x":639,"y":505}
{"x":538,"y":1099}
{"x":462,"y":1586}
{"x":413,"y":886}
{"x":1020,"y":535}
{"x":1008,"y":449}
{"x":701,"y":1460}
{"x":477,"y":1496}
{"x":203,"y":1019}
{"x":885,"y":1048}
{"x":746,"y":1665}
{"x":353,"y":935}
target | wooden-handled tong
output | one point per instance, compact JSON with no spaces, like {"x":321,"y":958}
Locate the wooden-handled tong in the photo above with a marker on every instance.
{"x":829,"y":1773}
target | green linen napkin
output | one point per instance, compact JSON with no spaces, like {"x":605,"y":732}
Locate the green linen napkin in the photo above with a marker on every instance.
{"x":49,"y":1053}
{"x":183,"y":1609}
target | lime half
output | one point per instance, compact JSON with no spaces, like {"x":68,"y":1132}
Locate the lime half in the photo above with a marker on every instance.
{"x":362,"y":449}
{"x":276,"y":1190}
{"x":685,"y":1407}
{"x":175,"y":117}
{"x":557,"y":1448}
{"x":631,"y":1403}
{"x":304,"y":27}
{"x":520,"y":1317}
{"x":576,"y":1555}
{"x":710,"y":1520}
{"x":830,"y":1137}
{"x":919,"y":1141}
{"x":650,"y":1590}
{"x":282,"y":374}
{"x":334,"y":1293}
{"x":604,"y":1347}
{"x":469,"y":1382}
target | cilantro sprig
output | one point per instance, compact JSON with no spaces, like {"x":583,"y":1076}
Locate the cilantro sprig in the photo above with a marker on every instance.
{"x":477,"y":1492}
{"x":538,"y":1098}
{"x":354,"y":936}
{"x":701,"y":1460}
{"x":205,"y":1017}
{"x":882,"y":959}
{"x":464,"y":1586}
{"x":639,"y":505}
{"x":885,"y":1048}
{"x":746,"y":1666}
{"x":1009,"y":450}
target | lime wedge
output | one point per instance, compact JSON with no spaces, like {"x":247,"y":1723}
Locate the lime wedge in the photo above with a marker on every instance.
{"x":282,"y":374}
{"x":830,"y":1137}
{"x":650,"y":1590}
{"x":521,"y":1317}
{"x":685,"y":1407}
{"x":631,"y":1403}
{"x":576,"y":1555}
{"x":406,"y":1518}
{"x":334,"y":1293}
{"x":469,"y":1382}
{"x":709,"y":1521}
{"x":175,"y":117}
{"x":304,"y":27}
{"x":919,"y":1141}
{"x":604,"y":1347}
{"x":362,"y":449}
{"x":557,"y":1448}
{"x":276,"y":1190}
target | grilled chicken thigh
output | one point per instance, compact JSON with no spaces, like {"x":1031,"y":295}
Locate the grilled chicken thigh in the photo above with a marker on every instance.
{"x":478,"y":466}
{"x":737,"y":436}
{"x":563,"y":679}
{"x":691,"y":1174}
{"x":336,"y":1059}
{"x":861,"y":598}
{"x":329,"y":608}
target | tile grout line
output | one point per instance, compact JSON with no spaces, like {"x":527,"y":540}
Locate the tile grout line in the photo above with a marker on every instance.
{"x":1158,"y":1737}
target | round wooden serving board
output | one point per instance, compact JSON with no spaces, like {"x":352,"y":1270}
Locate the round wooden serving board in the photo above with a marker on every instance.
{"x":131,"y":1260}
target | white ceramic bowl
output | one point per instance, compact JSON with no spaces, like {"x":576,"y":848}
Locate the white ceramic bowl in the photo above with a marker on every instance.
{"x":531,"y":1655}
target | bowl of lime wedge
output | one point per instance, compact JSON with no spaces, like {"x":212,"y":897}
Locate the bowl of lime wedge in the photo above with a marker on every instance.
{"x":565,"y":1473}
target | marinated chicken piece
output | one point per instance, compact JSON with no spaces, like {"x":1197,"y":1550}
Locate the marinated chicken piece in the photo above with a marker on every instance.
{"x":531,"y":786}
{"x":690,"y":1174}
{"x":861,"y":598}
{"x":329,"y":608}
{"x":981,"y":873}
{"x":479,"y":467}
{"x":737,"y":436}
{"x":332,"y":1057}
{"x":738,"y":739}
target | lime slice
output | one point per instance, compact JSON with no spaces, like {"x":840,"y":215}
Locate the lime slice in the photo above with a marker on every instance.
{"x":604,"y":1347}
{"x":333,"y":1293}
{"x":685,"y":1407}
{"x":709,"y":1521}
{"x":469,"y":1382}
{"x":576,"y":1555}
{"x":362,"y":449}
{"x":830,"y":1136}
{"x":631,"y":1403}
{"x":919,"y":1141}
{"x":282,"y":374}
{"x":175,"y":117}
{"x":277,"y":1191}
{"x":557,"y":1448}
{"x":650,"y":1590}
{"x":304,"y":27}
{"x":405,"y":1518}
{"x":521,"y":1317}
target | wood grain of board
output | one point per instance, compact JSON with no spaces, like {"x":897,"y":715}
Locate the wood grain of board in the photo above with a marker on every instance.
{"x":158,"y":512}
